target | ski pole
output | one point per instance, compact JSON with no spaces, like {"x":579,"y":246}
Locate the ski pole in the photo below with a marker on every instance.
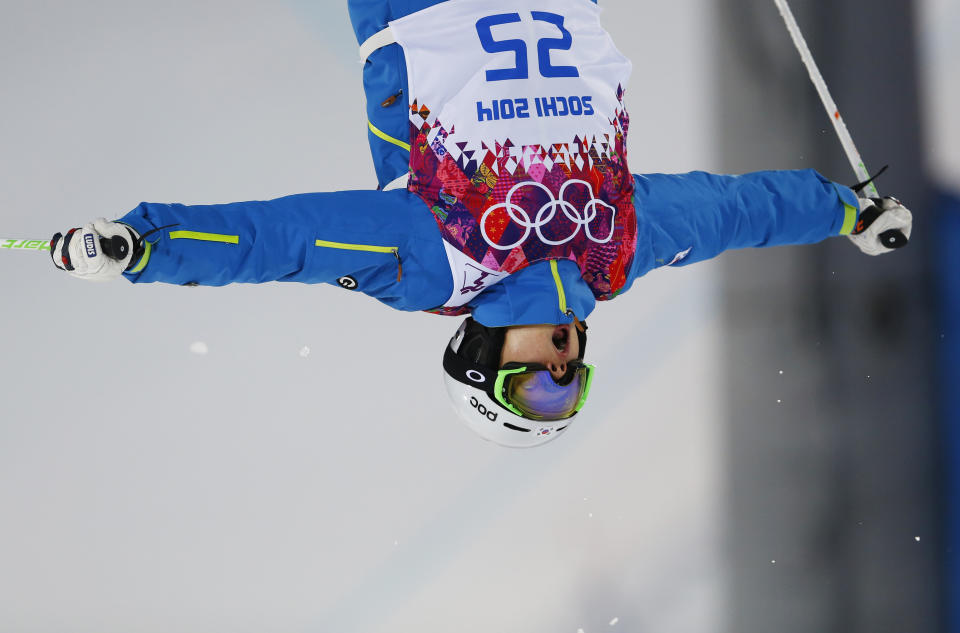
{"x":892,"y":238}
{"x":13,"y":244}
{"x":115,"y":247}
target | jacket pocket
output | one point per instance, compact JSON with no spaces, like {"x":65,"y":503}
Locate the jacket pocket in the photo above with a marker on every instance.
{"x":385,"y":250}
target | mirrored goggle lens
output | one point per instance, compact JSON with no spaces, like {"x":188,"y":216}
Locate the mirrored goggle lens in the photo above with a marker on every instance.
{"x":538,"y":397}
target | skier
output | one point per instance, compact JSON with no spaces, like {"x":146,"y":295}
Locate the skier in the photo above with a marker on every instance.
{"x":498,"y":132}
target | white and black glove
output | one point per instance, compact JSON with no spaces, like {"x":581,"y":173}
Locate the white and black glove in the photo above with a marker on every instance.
{"x":98,"y":251}
{"x":884,"y":225}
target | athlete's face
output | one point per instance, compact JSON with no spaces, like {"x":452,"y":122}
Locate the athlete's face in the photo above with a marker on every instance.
{"x":551,"y":345}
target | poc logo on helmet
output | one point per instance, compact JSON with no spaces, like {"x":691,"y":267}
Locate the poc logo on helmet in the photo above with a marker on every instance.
{"x":490,"y":415}
{"x":90,"y":245}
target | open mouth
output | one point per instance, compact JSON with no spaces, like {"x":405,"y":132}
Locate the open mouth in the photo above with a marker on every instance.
{"x":561,"y":338}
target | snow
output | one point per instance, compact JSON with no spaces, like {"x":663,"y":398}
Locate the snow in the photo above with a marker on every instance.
{"x":199,"y":348}
{"x":277,"y":481}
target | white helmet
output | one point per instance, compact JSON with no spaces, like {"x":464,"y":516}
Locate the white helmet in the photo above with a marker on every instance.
{"x":472,"y":377}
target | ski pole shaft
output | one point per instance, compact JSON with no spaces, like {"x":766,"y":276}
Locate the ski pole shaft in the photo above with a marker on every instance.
{"x":115,"y":247}
{"x":828,"y":104}
{"x":14,"y":244}
{"x":892,"y":238}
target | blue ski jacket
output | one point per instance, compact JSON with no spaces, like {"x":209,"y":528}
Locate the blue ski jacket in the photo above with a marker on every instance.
{"x":387,"y":244}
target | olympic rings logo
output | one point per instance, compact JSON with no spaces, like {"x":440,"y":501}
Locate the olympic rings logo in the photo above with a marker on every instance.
{"x":546,"y":214}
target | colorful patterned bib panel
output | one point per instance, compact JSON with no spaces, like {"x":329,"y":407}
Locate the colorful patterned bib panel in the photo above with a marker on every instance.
{"x":518,"y":139}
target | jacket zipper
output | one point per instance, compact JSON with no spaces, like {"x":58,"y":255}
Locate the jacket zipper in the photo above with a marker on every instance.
{"x":386,"y":137}
{"x":562,"y":296}
{"x":204,"y":237}
{"x":395,"y":251}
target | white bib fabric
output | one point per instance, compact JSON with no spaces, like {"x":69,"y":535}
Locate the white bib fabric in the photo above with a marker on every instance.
{"x":448,"y":69}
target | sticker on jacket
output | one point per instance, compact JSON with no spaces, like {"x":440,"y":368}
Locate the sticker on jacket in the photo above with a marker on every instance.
{"x":469,"y":277}
{"x":679,"y":257}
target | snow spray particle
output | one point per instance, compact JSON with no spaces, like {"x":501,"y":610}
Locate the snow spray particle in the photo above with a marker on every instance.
{"x":614,"y":621}
{"x":304,"y":351}
{"x":199,"y":348}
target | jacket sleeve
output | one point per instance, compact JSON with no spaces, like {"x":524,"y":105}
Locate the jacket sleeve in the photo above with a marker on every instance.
{"x":687,"y":218}
{"x":385,"y":244}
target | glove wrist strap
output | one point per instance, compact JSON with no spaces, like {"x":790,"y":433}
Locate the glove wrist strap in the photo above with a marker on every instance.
{"x":867,"y":217}
{"x":137,"y":248}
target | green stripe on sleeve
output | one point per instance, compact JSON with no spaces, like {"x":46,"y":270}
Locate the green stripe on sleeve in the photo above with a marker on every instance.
{"x":147,"y":248}
{"x":849,"y":219}
{"x":204,"y":237}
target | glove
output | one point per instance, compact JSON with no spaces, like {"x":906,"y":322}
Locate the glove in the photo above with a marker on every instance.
{"x":884,"y":225}
{"x":98,"y":251}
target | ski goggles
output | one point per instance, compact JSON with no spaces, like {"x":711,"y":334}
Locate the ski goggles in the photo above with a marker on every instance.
{"x":530,"y":390}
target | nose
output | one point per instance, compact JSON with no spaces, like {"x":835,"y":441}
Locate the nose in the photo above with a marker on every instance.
{"x":557,"y":370}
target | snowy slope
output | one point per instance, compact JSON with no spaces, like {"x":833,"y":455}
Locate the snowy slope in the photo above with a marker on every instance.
{"x":940,"y":50}
{"x":147,"y":487}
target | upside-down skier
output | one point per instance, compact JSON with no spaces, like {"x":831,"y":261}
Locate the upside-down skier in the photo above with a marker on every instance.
{"x":499,"y":134}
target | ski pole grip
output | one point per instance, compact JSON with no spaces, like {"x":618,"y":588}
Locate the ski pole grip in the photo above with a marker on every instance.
{"x":115,"y":248}
{"x":894,"y":238}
